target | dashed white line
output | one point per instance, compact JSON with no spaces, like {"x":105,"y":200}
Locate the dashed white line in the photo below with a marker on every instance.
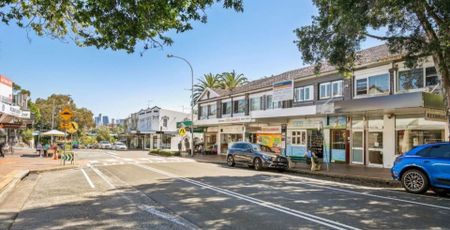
{"x":88,"y":179}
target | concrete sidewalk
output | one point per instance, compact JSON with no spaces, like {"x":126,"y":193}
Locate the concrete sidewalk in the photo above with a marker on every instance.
{"x":336,"y":172}
{"x":15,"y":167}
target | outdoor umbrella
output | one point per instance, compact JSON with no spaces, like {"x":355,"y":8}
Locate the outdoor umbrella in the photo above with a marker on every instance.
{"x":54,"y":133}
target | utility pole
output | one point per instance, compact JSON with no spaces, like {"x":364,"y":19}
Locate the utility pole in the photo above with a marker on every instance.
{"x":191,"y":101}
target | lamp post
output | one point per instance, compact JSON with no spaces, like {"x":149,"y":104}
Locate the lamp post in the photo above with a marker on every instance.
{"x":192,"y":96}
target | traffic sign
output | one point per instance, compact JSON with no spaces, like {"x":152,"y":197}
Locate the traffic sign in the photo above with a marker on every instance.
{"x":66,"y":114}
{"x":65,"y":125}
{"x":182,"y":132}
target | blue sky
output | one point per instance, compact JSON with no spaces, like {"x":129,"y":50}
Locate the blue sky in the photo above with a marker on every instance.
{"x":257,"y":42}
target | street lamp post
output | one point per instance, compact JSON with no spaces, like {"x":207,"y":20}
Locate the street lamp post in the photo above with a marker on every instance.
{"x":192,"y":96}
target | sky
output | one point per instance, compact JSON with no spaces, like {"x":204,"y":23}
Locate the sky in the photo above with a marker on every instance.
{"x":258,"y":42}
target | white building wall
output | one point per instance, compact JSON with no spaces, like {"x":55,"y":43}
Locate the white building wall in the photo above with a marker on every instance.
{"x":389,"y":141}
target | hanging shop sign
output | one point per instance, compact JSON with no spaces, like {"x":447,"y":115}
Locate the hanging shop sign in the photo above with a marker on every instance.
{"x":12,"y":126}
{"x":212,"y":130}
{"x":435,"y":115}
{"x":235,"y":120}
{"x":283,"y":91}
{"x":232,"y":129}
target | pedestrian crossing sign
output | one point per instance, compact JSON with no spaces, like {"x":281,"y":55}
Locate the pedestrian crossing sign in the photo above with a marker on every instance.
{"x":182,"y":132}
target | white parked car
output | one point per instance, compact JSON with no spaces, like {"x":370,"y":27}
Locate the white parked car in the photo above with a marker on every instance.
{"x":104,"y":145}
{"x":119,"y":146}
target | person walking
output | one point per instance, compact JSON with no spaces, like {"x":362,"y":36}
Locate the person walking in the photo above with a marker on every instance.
{"x":39,"y":149}
{"x":2,"y":145}
{"x":315,"y":166}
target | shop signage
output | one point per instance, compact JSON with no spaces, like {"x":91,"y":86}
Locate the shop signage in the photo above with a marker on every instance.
{"x":212,"y":130}
{"x":232,"y":129}
{"x":270,"y":129}
{"x":283,"y":91}
{"x":12,"y":125}
{"x":310,"y":123}
{"x":435,"y":115}
{"x":235,"y":119}
{"x":14,"y":111}
{"x":337,"y":122}
{"x":184,"y":124}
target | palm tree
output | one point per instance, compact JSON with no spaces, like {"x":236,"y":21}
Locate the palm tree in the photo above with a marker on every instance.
{"x":209,"y":80}
{"x":232,"y":80}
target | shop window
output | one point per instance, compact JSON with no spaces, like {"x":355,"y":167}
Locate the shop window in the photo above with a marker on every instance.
{"x":373,"y":85}
{"x":408,"y":139}
{"x":303,"y":93}
{"x":226,"y":108}
{"x":239,"y":106}
{"x":298,"y":138}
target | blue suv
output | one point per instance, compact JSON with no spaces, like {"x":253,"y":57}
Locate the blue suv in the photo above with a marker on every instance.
{"x":423,"y":167}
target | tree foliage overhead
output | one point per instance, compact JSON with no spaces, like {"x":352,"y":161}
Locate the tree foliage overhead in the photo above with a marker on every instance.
{"x":115,"y":24}
{"x":54,"y":104}
{"x":414,"y":28}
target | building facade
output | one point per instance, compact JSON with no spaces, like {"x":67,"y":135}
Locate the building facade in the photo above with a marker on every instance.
{"x":154,"y":128}
{"x":382,"y":110}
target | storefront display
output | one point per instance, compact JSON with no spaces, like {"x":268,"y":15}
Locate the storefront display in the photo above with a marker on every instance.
{"x":414,"y":131}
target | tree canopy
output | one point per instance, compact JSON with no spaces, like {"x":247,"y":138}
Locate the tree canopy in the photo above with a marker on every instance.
{"x":225,"y":80}
{"x":118,"y":25}
{"x":414,"y":29}
{"x":57,"y":102}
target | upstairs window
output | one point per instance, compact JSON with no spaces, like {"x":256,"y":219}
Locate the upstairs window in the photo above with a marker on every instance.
{"x":226,"y":108}
{"x":269,"y":102}
{"x":373,"y":85}
{"x":304,"y":93}
{"x":414,"y":79}
{"x":330,"y":89}
{"x":212,"y":111}
{"x":239,"y":106}
{"x":256,"y":103}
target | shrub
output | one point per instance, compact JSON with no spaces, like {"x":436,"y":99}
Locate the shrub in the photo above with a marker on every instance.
{"x":162,"y":153}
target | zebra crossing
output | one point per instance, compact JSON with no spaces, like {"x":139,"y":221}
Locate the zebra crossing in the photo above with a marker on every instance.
{"x":142,"y":160}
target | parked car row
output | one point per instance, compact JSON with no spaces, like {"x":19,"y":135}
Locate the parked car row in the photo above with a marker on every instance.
{"x":107,"y":145}
{"x":422,"y":168}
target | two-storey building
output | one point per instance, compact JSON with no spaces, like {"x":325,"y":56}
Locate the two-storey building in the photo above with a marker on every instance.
{"x":382,"y":110}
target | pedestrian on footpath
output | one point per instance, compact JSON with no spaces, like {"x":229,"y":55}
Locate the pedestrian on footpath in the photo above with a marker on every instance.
{"x":39,"y":149}
{"x":46,"y":148}
{"x":315,"y":165}
{"x":2,"y":145}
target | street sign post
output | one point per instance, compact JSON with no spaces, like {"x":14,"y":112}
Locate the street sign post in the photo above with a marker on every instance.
{"x":182,"y":132}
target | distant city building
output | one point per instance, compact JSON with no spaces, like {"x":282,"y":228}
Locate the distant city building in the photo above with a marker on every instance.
{"x":105,"y":120}
{"x":101,"y":120}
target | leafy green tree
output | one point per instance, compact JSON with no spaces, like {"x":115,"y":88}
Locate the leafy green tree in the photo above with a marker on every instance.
{"x":118,"y":25}
{"x":54,"y":104}
{"x":209,"y":80}
{"x":103,"y":134}
{"x":231,"y":80}
{"x":87,"y":140}
{"x":35,"y":111}
{"x":27,"y":135}
{"x":415,"y":29}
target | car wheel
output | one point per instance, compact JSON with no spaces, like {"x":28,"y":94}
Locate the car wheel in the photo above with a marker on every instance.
{"x":415,"y":181}
{"x":281,"y":170}
{"x":230,"y":161}
{"x":440,"y":191}
{"x":257,"y":163}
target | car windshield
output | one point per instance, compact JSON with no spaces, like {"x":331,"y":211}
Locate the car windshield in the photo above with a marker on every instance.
{"x":262,"y":148}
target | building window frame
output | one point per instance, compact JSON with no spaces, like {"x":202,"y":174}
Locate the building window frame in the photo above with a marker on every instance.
{"x":367,"y":78}
{"x":424,"y":77}
{"x":300,"y":93}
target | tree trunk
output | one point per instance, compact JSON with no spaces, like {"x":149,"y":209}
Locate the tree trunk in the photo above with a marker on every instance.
{"x":442,"y":68}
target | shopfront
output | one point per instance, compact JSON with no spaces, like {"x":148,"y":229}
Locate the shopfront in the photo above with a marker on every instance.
{"x":412,"y":131}
{"x":367,"y":140}
{"x":229,"y":135}
{"x":303,"y":134}
{"x":337,"y":143}
{"x":210,"y":140}
{"x":271,"y":137}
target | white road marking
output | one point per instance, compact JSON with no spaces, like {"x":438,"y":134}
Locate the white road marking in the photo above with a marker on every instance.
{"x":88,"y":179}
{"x":115,"y":154}
{"x":145,"y":208}
{"x":280,"y":208}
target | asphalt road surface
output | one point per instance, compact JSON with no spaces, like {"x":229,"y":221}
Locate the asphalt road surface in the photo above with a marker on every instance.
{"x":118,"y":190}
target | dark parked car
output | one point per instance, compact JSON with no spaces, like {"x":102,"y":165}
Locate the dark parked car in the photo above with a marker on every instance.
{"x":423,"y":167}
{"x":256,"y":156}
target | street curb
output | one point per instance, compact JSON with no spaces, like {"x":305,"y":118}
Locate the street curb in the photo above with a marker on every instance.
{"x":10,"y":182}
{"x":59,"y":168}
{"x":357,"y":180}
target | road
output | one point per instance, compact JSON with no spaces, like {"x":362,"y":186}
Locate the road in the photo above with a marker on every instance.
{"x":117,"y":190}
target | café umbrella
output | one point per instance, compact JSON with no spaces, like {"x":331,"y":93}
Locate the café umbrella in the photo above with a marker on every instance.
{"x":54,"y":133}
